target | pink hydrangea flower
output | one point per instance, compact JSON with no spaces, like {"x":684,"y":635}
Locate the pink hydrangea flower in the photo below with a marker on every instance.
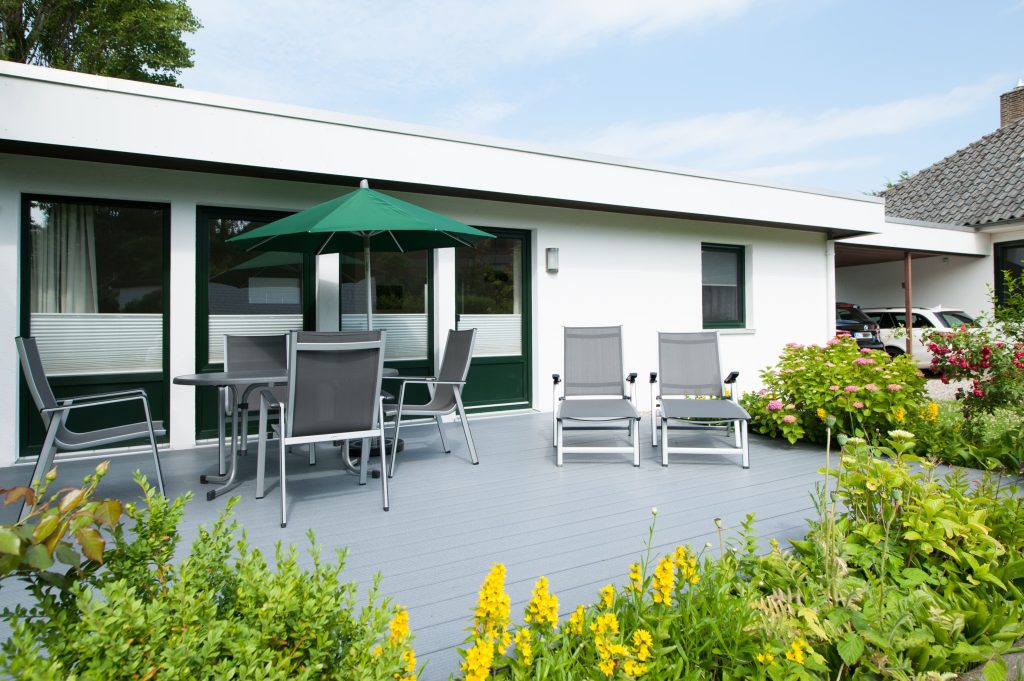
{"x":775,"y":405}
{"x":865,"y":350}
{"x":871,"y":387}
{"x":864,"y":360}
{"x":833,"y":387}
{"x":858,"y":405}
{"x":762,"y":392}
{"x":790,"y":406}
{"x":894,"y":387}
{"x":789,"y":418}
{"x":833,"y":341}
{"x":852,"y":388}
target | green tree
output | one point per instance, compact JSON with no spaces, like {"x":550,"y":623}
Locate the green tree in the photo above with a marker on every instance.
{"x":133,"y":39}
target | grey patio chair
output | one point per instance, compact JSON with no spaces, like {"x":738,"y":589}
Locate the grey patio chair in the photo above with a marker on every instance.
{"x":445,"y":390}
{"x":594,"y":394}
{"x":691,"y":395}
{"x":253,"y":353}
{"x":333,"y":394}
{"x":55,"y":414}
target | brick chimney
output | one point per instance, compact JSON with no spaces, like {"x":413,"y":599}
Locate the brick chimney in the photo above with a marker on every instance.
{"x":1011,"y":105}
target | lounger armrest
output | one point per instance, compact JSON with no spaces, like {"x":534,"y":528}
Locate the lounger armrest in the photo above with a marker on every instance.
{"x":731,"y":378}
{"x":556,"y":378}
{"x":631,"y":378}
{"x":654,"y":377}
{"x":730,"y":383}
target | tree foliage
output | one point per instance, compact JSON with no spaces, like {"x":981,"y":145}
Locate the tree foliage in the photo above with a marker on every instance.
{"x":133,"y":39}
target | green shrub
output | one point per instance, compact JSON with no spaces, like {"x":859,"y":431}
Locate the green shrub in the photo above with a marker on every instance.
{"x":866,"y":390}
{"x":221,"y":612}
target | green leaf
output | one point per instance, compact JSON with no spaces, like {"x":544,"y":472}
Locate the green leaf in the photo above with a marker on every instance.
{"x":66,"y":554}
{"x":9,"y":541}
{"x":92,"y":543}
{"x":995,"y":670}
{"x":850,"y":648}
{"x":38,"y":557}
{"x":45,"y":527}
{"x":108,"y":512}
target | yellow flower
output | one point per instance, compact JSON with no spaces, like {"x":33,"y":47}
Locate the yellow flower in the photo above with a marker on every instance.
{"x":796,"y":651}
{"x":605,"y":624}
{"x":524,"y":649}
{"x":687,"y":565}
{"x":607,"y":596}
{"x":477,"y":665}
{"x":577,"y":621}
{"x":821,"y":413}
{"x":636,"y":578}
{"x":543,"y":606}
{"x":493,"y":604}
{"x":377,"y":650}
{"x":634,"y":669}
{"x":607,"y":667}
{"x":410,"y":661}
{"x":766,"y":657}
{"x":642,"y":641}
{"x":899,"y":414}
{"x":664,"y":580}
{"x":399,"y":627}
{"x":933,"y":411}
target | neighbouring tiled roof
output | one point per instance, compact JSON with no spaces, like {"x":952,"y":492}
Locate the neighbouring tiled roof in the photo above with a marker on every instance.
{"x":980,"y":184}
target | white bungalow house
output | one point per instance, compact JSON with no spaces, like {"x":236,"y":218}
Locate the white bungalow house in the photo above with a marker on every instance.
{"x":116,"y":198}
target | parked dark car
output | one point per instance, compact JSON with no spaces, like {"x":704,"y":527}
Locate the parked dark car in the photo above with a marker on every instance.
{"x":850,"y":321}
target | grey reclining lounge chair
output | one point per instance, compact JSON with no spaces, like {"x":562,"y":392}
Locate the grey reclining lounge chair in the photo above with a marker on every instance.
{"x":333,"y":394}
{"x":690,"y":396}
{"x":594,"y":392}
{"x":446,"y":392}
{"x":55,"y":414}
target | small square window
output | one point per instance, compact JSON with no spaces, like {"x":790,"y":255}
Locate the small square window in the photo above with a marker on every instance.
{"x":722,"y":286}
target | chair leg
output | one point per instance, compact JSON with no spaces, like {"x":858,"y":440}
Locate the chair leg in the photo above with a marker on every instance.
{"x":558,"y":443}
{"x":394,"y":445}
{"x":663,"y":426}
{"x":312,"y":453}
{"x":440,"y":429}
{"x":746,"y":443}
{"x":261,"y":455}
{"x":654,"y":424}
{"x":384,"y":465}
{"x":465,"y":426}
{"x":44,"y":461}
{"x":282,"y":459}
{"x":364,"y":460}
{"x":634,"y":434}
{"x":152,"y":443}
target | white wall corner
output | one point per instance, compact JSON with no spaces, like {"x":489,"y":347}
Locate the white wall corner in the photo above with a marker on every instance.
{"x":328,"y":301}
{"x":444,"y":299}
{"x":182,"y":407}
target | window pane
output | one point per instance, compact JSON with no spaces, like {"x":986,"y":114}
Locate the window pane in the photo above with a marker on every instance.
{"x":721,"y":275}
{"x":489,"y":296}
{"x":96,"y":287}
{"x":249,"y":292}
{"x":400,"y":294}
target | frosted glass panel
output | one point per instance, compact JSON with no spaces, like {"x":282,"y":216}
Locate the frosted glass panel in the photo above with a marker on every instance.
{"x":406,"y":337}
{"x":87,"y":344}
{"x":497,"y":335}
{"x":247,"y":325}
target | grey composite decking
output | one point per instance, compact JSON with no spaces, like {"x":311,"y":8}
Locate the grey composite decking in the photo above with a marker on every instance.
{"x":581,"y":525}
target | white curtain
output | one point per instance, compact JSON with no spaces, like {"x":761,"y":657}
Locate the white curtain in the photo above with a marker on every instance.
{"x":64,"y":261}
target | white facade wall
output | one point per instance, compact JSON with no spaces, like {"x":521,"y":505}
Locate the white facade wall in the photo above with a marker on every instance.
{"x":640,"y":272}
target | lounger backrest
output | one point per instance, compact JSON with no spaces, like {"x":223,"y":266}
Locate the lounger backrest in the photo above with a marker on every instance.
{"x":593,"y":361}
{"x":334,"y":382}
{"x":688,"y":364}
{"x":35,"y":376}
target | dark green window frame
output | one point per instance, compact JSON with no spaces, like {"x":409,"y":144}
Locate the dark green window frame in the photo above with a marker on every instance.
{"x":739,"y":252}
{"x":1002,"y":265}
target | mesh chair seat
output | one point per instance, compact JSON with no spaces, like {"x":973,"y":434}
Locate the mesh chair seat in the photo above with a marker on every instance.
{"x":613,"y":409}
{"x":723,"y":410}
{"x":69,"y":439}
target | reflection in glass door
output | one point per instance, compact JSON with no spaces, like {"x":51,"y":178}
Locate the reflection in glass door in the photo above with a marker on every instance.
{"x":492,"y":295}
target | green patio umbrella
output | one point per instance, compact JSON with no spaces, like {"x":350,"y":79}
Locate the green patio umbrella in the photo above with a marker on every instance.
{"x":364,"y":220}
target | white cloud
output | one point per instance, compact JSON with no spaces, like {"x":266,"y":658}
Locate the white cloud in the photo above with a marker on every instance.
{"x":738,"y":140}
{"x":476,"y":116}
{"x":348,"y":46}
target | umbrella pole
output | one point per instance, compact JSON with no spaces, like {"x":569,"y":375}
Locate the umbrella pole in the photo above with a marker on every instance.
{"x":369,"y":285}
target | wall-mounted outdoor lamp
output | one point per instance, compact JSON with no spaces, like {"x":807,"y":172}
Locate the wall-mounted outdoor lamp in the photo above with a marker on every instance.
{"x":551,"y":260}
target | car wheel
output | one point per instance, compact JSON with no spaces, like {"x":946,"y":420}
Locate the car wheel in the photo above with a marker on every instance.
{"x":894,"y":352}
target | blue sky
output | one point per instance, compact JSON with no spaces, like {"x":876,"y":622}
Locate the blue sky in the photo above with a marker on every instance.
{"x":837,"y":94}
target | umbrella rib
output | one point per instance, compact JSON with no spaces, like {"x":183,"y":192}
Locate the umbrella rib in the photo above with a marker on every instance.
{"x":452,"y":236}
{"x":261,"y":243}
{"x":326,"y":241}
{"x":395,"y":239}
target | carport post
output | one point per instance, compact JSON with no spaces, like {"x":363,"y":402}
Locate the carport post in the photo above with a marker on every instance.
{"x":908,"y":301}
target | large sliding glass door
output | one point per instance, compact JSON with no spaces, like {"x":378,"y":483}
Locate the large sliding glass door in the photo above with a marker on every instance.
{"x":241,"y":292}
{"x":94,"y":295}
{"x":492,"y":295}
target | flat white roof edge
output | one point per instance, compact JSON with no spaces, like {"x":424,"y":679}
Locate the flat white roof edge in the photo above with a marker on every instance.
{"x":934,"y":225}
{"x":202,"y":98}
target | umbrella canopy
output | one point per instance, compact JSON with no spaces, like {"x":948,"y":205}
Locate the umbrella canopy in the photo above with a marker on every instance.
{"x":365,"y":220}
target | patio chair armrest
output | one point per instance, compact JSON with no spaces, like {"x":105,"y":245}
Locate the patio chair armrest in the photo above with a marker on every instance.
{"x":431,"y":381}
{"x":134,"y":392}
{"x":408,"y":378}
{"x":631,"y":378}
{"x":654,"y":377}
{"x":82,"y":402}
{"x":267,"y":397}
{"x":557,"y":378}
